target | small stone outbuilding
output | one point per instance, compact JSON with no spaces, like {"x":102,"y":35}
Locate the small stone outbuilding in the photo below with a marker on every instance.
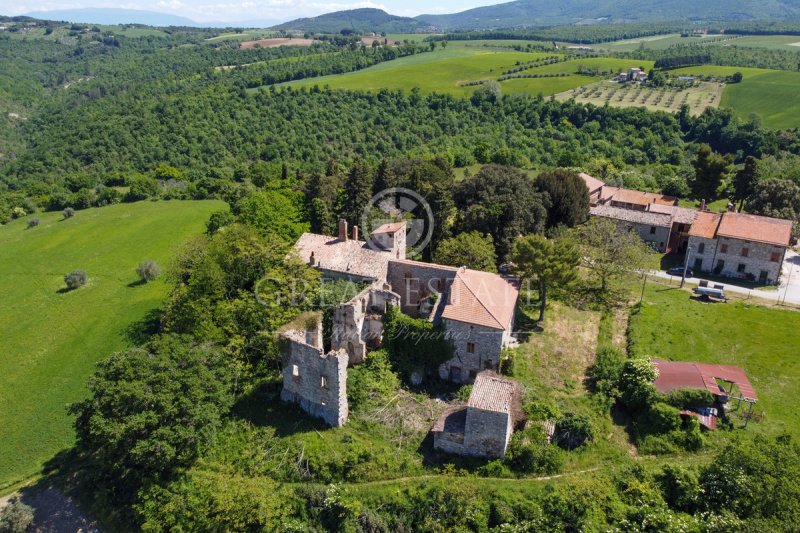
{"x":483,"y":427}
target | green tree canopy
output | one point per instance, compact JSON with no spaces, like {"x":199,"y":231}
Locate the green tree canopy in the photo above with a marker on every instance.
{"x":709,"y":171}
{"x":608,"y":250}
{"x":152,"y":409}
{"x":552,"y":262}
{"x":745,"y":181}
{"x":502,"y":202}
{"x":470,"y":249}
{"x":569,"y":197}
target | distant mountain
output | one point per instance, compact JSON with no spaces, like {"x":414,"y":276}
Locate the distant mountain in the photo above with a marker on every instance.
{"x":523,"y":13}
{"x":98,"y":15}
{"x":359,"y":20}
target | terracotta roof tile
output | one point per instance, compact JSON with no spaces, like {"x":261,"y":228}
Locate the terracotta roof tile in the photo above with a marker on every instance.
{"x":482,"y":298}
{"x":756,"y":228}
{"x":390,"y":227}
{"x":591,"y":182}
{"x":492,"y":393}
{"x":705,"y":225}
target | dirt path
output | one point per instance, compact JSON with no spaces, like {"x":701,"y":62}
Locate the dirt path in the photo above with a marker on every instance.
{"x":54,"y":512}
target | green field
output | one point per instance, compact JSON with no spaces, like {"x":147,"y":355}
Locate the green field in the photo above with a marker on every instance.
{"x":51,"y":338}
{"x":657,"y":42}
{"x":446,"y":70}
{"x":705,"y":94}
{"x":776,"y":42}
{"x":760,"y":340}
{"x":772,"y":94}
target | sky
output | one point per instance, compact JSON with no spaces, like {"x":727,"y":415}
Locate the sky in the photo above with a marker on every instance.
{"x":234,"y":11}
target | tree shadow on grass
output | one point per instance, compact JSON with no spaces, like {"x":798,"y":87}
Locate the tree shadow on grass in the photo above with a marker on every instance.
{"x":140,"y":331}
{"x":263,"y":407}
{"x":137,"y":283}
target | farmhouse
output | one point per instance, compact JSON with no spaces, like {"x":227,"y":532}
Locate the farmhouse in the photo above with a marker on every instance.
{"x":477,"y":310}
{"x":739,"y":245}
{"x":657,"y":218}
{"x":483,"y":427}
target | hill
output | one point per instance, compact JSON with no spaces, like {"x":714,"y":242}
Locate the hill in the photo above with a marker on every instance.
{"x":101,"y":15}
{"x":535,"y":13}
{"x":359,"y":20}
{"x":50,"y":338}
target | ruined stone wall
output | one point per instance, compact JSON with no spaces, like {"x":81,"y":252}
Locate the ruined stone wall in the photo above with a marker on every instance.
{"x":414,"y":281}
{"x":314,"y":380}
{"x":476,"y":348}
{"x":358,"y":323}
{"x":487,"y":433}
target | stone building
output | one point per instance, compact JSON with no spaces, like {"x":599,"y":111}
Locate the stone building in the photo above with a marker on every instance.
{"x":311,"y":378}
{"x":739,"y":245}
{"x":358,"y":323}
{"x":654,"y":228}
{"x":483,"y":427}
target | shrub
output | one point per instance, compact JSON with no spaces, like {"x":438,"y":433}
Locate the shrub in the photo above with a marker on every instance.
{"x":604,"y":375}
{"x":538,"y":410}
{"x":218,"y":220}
{"x":529,"y":452}
{"x":32,"y":223}
{"x":660,"y":418}
{"x":680,"y":487}
{"x":415,"y":344}
{"x":68,"y":212}
{"x":371,"y":381}
{"x":573,"y":431}
{"x":18,"y":212}
{"x":683,"y":398}
{"x":75,"y":279}
{"x":636,"y":383}
{"x":148,"y":270}
{"x":16,"y":517}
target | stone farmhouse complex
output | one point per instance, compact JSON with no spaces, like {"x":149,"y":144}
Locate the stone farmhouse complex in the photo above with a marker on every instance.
{"x":727,"y":244}
{"x":476,"y":309}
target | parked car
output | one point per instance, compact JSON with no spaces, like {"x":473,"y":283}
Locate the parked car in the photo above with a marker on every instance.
{"x":678,"y":271}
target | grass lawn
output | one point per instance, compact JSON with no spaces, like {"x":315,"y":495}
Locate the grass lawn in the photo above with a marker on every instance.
{"x":772,"y":94}
{"x":774,"y":42}
{"x":50,"y":338}
{"x":761,"y":340}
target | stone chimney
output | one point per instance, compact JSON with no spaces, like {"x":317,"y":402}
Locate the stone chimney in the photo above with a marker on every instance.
{"x":355,"y":233}
{"x":702,"y":205}
{"x":311,"y":259}
{"x":342,"y":229}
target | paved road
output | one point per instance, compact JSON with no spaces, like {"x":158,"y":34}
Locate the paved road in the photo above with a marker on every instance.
{"x":789,"y":287}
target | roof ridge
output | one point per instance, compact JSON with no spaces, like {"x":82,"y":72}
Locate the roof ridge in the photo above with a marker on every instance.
{"x":464,"y":281}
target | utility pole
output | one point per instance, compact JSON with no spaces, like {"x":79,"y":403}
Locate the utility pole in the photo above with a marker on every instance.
{"x":686,"y":264}
{"x":788,"y":279}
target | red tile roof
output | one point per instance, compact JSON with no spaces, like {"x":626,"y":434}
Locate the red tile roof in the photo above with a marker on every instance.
{"x":756,"y":228}
{"x":591,"y":182}
{"x":680,"y":375}
{"x":391,"y":227}
{"x":630,"y":196}
{"x":705,"y":225}
{"x":482,"y":298}
{"x":492,"y":393}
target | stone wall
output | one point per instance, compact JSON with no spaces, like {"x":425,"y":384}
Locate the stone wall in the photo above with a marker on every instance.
{"x":314,"y":380}
{"x":727,"y":254}
{"x":655,"y":236}
{"x":414,"y":281}
{"x":476,"y":348}
{"x":487,"y":433}
{"x":358,"y":323}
